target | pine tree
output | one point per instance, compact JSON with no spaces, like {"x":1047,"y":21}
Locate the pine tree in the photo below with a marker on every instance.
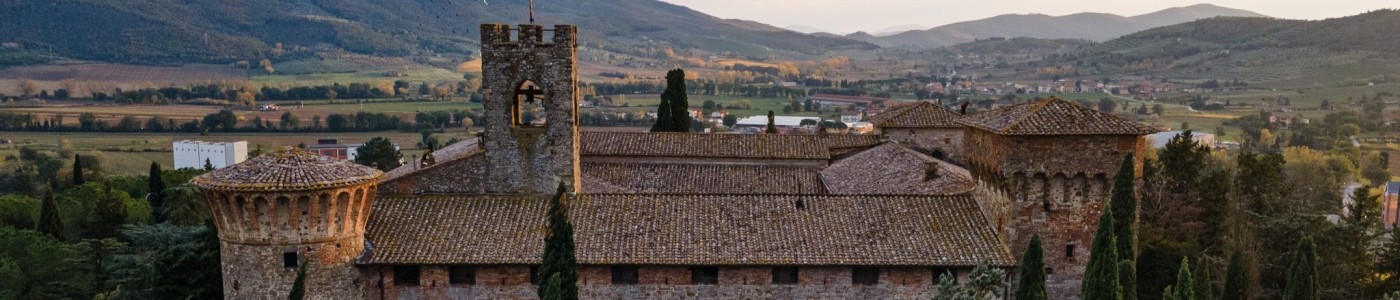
{"x":1032,"y":283}
{"x":78,"y":170}
{"x":559,"y":257}
{"x":1184,"y":288}
{"x":155,"y":196}
{"x":1124,"y":205}
{"x":772,"y":126}
{"x":208,"y":165}
{"x":299,"y":286}
{"x":1101,"y":274}
{"x":49,"y":220}
{"x":1302,"y":275}
{"x":1235,"y":280}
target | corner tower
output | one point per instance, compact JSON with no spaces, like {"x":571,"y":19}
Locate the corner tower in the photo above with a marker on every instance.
{"x":1046,"y":167}
{"x":283,"y":209}
{"x":531,"y":107}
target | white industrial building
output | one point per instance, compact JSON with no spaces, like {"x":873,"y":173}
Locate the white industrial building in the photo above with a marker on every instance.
{"x":193,"y":154}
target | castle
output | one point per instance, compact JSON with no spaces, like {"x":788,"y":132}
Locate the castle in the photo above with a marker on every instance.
{"x":673,"y":215}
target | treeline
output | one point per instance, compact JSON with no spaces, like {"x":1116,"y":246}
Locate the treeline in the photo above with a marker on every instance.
{"x":228,"y":121}
{"x":127,"y":237}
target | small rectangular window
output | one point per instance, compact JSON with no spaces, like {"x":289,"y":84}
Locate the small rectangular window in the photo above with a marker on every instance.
{"x":704,"y":275}
{"x":461,"y":274}
{"x":535,"y":275}
{"x":784,"y":275}
{"x":406,"y":275}
{"x":624,"y":275}
{"x":865,"y":276}
{"x":1069,"y":251}
{"x":289,"y":259}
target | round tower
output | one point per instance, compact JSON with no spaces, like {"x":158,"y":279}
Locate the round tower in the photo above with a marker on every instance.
{"x":288,"y":208}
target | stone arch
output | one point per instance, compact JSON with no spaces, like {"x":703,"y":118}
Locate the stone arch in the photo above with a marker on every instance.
{"x":286,"y":218}
{"x":526,"y":97}
{"x":355,"y":206}
{"x":304,"y":219}
{"x":1037,"y":190}
{"x":262,"y":216}
{"x":339,"y":209}
{"x":938,"y":154}
{"x":323,"y":213}
{"x":1058,"y":192}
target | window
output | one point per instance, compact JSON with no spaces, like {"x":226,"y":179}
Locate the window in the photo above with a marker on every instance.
{"x":289,"y":259}
{"x":406,"y":275}
{"x":865,"y":276}
{"x":704,"y":275}
{"x":1069,"y":251}
{"x":534,"y":274}
{"x":624,"y":275}
{"x":461,"y":274}
{"x":1049,"y":271}
{"x":784,"y":275}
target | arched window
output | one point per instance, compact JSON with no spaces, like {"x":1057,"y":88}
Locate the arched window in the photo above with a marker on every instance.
{"x":527,"y":109}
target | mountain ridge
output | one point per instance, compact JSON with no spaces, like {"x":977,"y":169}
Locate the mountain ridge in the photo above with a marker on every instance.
{"x":1086,"y":25}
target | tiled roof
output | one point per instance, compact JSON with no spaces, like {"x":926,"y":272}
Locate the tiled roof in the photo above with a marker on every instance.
{"x":287,"y":170}
{"x":698,"y":179}
{"x":450,"y":153}
{"x":613,"y":229}
{"x":891,"y":169}
{"x":923,"y":114}
{"x":1052,"y":117}
{"x":698,"y":145}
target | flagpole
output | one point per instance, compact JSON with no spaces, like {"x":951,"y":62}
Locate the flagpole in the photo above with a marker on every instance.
{"x":532,"y":11}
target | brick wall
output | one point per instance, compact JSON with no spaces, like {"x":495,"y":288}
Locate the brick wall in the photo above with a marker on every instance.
{"x":735,"y":283}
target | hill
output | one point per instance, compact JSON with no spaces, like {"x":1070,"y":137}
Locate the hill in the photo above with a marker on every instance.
{"x":177,"y":32}
{"x":1087,"y":26}
{"x":1278,"y":53}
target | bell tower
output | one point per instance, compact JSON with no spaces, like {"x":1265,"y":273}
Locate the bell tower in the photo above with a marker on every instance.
{"x":530,"y":85}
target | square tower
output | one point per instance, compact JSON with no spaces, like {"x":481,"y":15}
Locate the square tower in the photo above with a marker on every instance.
{"x":531,"y":107}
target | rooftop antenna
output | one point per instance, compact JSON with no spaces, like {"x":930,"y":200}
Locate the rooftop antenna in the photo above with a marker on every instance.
{"x":532,"y":11}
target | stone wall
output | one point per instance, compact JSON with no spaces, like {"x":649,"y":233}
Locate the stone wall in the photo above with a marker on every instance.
{"x":257,"y":272}
{"x":735,"y":283}
{"x":525,"y":158}
{"x":325,"y":228}
{"x":941,"y":143}
{"x":1054,"y":186}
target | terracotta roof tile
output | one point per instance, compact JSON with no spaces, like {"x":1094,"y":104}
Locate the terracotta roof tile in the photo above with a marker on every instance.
{"x":923,"y":114}
{"x":287,"y":170}
{"x":613,"y":229}
{"x":1052,"y":117}
{"x":699,"y":145}
{"x":698,"y":179}
{"x":453,"y":152}
{"x":891,"y":169}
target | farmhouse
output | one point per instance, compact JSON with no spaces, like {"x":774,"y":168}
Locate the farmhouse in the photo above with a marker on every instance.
{"x":194,"y":154}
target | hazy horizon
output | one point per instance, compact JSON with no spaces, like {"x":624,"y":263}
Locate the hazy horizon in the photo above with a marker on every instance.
{"x":873,"y":16}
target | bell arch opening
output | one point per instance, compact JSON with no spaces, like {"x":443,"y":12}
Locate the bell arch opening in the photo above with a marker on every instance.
{"x":527,"y":105}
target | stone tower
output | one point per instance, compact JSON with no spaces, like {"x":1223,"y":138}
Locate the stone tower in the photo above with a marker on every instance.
{"x":1047,"y":168}
{"x":531,"y":107}
{"x":283,"y":209}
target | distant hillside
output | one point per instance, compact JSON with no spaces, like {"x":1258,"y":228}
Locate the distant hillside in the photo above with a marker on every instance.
{"x":1088,"y":26}
{"x":172,"y":32}
{"x":1356,"y":49}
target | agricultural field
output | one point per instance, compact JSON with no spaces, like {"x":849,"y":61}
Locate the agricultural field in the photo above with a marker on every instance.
{"x":124,"y":76}
{"x":760,"y":106}
{"x":132,"y":153}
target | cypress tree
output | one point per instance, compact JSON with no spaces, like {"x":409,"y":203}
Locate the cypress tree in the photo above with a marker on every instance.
{"x":1235,"y":280}
{"x":299,"y":286}
{"x":680,"y":103}
{"x":1101,"y":275}
{"x":663,"y":116}
{"x":78,"y":170}
{"x":1205,"y":286}
{"x":1184,"y":287}
{"x":1124,"y":205}
{"x":154,"y":196}
{"x":1032,"y":284}
{"x":552,"y":289}
{"x":559,"y":257}
{"x":772,"y":126}
{"x":49,"y":220}
{"x":1302,"y":275}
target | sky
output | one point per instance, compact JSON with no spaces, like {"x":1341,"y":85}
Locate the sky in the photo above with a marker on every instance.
{"x":846,"y":16}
